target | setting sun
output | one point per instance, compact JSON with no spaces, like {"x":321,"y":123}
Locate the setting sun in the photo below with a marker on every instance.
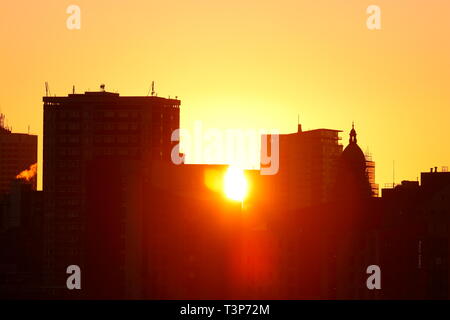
{"x":235,"y":184}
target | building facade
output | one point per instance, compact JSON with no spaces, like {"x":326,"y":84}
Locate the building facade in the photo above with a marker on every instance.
{"x":98,"y":151}
{"x":307,"y":168}
{"x":18,"y":152}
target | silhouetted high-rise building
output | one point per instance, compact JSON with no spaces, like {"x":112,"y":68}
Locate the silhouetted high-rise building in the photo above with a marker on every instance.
{"x":98,"y":152}
{"x":18,"y":152}
{"x":307,"y":168}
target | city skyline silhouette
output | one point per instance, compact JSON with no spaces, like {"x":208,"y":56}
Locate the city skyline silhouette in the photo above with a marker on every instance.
{"x":195,"y":150}
{"x":139,"y":225}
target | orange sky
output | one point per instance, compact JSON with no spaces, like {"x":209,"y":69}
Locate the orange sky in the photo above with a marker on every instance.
{"x":248,"y":64}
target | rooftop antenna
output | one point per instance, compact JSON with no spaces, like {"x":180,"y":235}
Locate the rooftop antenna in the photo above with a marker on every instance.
{"x":393,"y":173}
{"x":73,"y":89}
{"x":47,"y":90}
{"x":28,"y":129}
{"x":2,"y":121}
{"x":153,"y":88}
{"x":299,"y":126}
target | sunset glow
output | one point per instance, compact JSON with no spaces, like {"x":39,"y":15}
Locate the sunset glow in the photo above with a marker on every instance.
{"x":235,"y":184}
{"x":198,"y":155}
{"x":248,"y":58}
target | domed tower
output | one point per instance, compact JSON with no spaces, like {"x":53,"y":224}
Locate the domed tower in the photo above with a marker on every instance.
{"x":352,"y":180}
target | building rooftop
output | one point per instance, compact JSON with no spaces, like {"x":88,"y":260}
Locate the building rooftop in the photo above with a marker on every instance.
{"x":3,"y":128}
{"x":104,"y":95}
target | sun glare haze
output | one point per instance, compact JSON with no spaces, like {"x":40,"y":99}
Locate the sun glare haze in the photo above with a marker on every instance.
{"x":235,"y":184}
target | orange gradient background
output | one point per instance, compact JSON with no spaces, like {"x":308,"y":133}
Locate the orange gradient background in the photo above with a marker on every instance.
{"x":247,"y":64}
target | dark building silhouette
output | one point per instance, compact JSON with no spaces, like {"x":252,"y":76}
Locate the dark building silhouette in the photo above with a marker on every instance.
{"x":415,"y":231}
{"x":200,"y":246}
{"x":21,"y":241}
{"x":352,"y":172}
{"x":192,"y":235}
{"x":98,"y":152}
{"x":314,"y":170}
{"x":20,"y":215}
{"x":323,"y":251}
{"x":18,"y":152}
{"x":140,"y":226}
{"x":307,"y":168}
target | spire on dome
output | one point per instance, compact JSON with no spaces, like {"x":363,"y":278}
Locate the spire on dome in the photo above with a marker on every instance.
{"x":353,"y":134}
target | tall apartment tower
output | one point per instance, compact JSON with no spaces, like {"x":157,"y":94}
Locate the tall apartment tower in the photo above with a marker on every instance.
{"x":98,"y":152}
{"x":307,"y":168}
{"x":18,"y":152}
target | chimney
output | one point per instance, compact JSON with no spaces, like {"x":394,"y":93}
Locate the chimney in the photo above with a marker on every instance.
{"x":299,"y":128}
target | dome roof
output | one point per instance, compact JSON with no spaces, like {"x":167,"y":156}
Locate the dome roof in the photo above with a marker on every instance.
{"x":352,"y":179}
{"x":352,"y":154}
{"x":354,"y":157}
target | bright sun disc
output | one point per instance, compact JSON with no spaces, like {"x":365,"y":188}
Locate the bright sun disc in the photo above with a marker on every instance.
{"x":235,"y":184}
